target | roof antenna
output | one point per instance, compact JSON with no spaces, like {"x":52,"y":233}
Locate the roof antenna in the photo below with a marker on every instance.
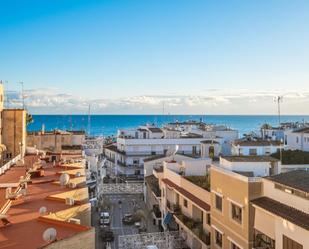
{"x":279,"y":100}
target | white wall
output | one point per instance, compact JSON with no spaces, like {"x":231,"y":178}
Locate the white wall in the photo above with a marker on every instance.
{"x":259,"y":169}
{"x":283,"y":197}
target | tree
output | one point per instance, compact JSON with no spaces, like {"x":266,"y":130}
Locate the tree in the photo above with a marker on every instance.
{"x":29,"y":119}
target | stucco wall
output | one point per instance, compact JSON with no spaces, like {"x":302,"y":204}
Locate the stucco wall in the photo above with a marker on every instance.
{"x":14,"y":131}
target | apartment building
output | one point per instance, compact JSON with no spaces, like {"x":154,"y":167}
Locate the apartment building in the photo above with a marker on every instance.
{"x":235,"y":181}
{"x":297,"y":139}
{"x":45,"y":206}
{"x":13,"y":131}
{"x":134,"y":145}
{"x":178,"y":191}
{"x":255,"y":147}
{"x":282,"y":213}
{"x":57,"y":143}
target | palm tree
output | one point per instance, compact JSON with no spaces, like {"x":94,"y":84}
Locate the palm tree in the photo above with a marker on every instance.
{"x":29,"y":119}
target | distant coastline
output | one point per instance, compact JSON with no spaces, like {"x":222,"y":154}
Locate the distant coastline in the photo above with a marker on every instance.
{"x":108,"y":125}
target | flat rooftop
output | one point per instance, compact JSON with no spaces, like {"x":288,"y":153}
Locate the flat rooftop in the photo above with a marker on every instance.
{"x":27,"y":225}
{"x":250,"y":158}
{"x":242,"y":142}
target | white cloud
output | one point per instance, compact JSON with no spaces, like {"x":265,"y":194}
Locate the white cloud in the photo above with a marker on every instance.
{"x":210,"y":101}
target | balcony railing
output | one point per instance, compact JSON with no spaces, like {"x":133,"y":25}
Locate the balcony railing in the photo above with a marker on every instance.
{"x":262,"y":241}
{"x":174,"y":208}
{"x":195,"y":226}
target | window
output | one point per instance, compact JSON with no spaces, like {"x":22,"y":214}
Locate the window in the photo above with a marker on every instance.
{"x":185,"y":203}
{"x":290,"y":244}
{"x":208,"y":219}
{"x":194,"y":150}
{"x":135,"y":161}
{"x":218,"y":203}
{"x":236,"y":212}
{"x":234,"y":246}
{"x":252,"y":152}
{"x":297,"y":140}
{"x":218,"y":238}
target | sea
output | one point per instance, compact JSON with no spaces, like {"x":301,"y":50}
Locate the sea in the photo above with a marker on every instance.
{"x":107,"y":125}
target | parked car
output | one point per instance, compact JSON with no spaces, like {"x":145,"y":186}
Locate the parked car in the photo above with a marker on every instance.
{"x":104,"y":218}
{"x":130,"y":219}
{"x":107,"y":235}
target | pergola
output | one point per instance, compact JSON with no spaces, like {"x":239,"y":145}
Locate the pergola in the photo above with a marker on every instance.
{"x":122,"y":188}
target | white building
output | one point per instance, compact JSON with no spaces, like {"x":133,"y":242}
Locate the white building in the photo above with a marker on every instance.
{"x":297,"y":139}
{"x":251,"y":166}
{"x":253,"y":147}
{"x":134,"y":145}
{"x":93,"y":146}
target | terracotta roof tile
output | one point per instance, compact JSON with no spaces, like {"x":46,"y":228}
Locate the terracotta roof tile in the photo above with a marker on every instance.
{"x":188,"y":195}
{"x":291,"y":214}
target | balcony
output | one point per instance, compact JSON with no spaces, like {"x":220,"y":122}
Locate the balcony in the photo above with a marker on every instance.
{"x":112,"y":160}
{"x":195,"y":226}
{"x":153,"y":183}
{"x":173,"y":208}
{"x":156,"y":211}
{"x":262,"y":241}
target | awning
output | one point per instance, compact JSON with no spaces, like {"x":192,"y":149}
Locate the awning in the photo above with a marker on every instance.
{"x":168,"y":218}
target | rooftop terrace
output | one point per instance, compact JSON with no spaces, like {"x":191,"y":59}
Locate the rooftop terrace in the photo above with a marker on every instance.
{"x":26,"y":223}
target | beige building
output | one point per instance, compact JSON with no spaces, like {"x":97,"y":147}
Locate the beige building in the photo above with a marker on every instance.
{"x":235,"y":181}
{"x":178,"y":192}
{"x":14,"y":131}
{"x":57,"y":141}
{"x":282,"y":213}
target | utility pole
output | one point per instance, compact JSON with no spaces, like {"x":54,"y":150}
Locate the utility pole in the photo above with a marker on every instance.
{"x":279,"y":100}
{"x":22,"y":93}
{"x":89,"y":120}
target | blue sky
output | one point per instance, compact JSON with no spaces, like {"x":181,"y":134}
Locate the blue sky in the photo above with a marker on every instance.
{"x":131,"y":56}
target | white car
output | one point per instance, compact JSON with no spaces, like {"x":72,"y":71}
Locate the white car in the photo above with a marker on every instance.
{"x":104,"y":218}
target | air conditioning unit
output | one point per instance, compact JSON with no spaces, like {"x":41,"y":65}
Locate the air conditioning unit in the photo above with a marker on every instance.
{"x":72,"y":185}
{"x":69,"y":201}
{"x":74,"y":221}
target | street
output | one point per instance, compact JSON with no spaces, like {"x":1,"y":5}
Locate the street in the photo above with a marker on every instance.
{"x":121,"y":204}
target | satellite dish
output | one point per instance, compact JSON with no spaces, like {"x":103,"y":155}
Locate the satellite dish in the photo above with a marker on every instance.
{"x":64,"y":179}
{"x":78,"y":174}
{"x":42,"y":210}
{"x":172,"y":150}
{"x":50,"y":234}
